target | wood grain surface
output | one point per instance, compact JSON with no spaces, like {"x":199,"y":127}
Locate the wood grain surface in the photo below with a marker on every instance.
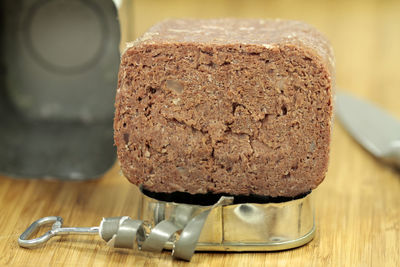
{"x":357,"y":206}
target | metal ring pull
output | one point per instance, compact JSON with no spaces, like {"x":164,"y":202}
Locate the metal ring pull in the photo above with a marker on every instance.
{"x":56,"y":229}
{"x":24,"y":240}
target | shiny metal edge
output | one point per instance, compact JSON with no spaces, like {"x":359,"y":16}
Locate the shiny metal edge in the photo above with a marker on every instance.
{"x":240,"y":227}
{"x":268,"y":246}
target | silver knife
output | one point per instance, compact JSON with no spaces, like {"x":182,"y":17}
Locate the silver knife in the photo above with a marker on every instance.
{"x":377,"y":131}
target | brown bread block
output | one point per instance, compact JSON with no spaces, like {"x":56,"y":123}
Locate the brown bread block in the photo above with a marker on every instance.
{"x":233,"y":106}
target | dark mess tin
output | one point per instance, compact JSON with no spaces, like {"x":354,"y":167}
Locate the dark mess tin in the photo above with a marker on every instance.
{"x":59,"y":63}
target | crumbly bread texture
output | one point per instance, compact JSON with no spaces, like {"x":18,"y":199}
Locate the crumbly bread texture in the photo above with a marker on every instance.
{"x":233,"y":106}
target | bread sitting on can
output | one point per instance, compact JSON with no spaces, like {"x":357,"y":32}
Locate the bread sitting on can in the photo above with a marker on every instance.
{"x":226,"y":106}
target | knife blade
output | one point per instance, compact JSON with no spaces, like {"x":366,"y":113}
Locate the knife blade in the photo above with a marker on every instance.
{"x":376,"y":130}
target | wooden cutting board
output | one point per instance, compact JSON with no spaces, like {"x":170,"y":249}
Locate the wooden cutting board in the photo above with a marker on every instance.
{"x":357,"y":209}
{"x":357,"y":206}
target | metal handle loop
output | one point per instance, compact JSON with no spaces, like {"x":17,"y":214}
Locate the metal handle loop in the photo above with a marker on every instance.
{"x":24,"y":240}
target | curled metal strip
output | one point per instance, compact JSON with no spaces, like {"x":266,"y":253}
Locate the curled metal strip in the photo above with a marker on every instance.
{"x":159,"y":235}
{"x":184,"y":248}
{"x":128,"y":232}
{"x":124,"y":232}
{"x":109,"y":227}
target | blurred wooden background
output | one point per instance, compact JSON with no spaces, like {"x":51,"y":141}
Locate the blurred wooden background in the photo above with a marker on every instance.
{"x":357,"y":206}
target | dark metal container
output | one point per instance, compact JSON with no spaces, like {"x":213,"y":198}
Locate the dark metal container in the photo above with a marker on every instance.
{"x":58,"y":74}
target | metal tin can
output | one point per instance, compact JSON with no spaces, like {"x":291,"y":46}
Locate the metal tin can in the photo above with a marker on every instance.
{"x":240,"y":227}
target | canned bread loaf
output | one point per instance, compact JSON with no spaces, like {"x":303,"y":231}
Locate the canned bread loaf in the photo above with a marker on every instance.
{"x":226,"y":106}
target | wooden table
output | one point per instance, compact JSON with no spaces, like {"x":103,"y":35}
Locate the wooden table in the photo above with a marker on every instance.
{"x":357,"y":206}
